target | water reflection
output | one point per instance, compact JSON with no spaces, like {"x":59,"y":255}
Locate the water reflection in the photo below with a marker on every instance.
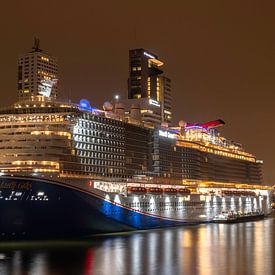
{"x":244,"y":248}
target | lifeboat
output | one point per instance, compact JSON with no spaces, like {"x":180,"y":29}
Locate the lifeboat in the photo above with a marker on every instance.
{"x":136,"y":190}
{"x":184,"y":191}
{"x":224,"y":193}
{"x":251,"y":193}
{"x":238,"y":193}
{"x":247,"y":193}
{"x":228,"y":193}
{"x":170,"y":191}
{"x":154,"y":190}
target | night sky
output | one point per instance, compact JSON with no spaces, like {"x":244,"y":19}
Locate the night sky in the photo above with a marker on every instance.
{"x":220,"y":57}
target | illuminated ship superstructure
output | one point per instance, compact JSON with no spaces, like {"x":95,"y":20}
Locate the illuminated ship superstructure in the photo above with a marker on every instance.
{"x":77,"y":170}
{"x":71,"y":170}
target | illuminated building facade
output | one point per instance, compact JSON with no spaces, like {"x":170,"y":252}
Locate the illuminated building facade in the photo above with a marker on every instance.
{"x":148,"y":87}
{"x":37,"y":74}
{"x":166,"y":99}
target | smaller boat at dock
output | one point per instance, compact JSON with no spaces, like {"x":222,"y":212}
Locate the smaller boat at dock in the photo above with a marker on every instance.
{"x":233,"y":217}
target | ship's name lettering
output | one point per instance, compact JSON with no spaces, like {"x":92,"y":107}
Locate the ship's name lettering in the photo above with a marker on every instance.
{"x":15,"y":185}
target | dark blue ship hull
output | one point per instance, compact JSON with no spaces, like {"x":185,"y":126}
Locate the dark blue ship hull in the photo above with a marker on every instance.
{"x":33,"y":208}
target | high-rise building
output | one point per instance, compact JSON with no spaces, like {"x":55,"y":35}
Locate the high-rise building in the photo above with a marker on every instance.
{"x":148,"y":87}
{"x":166,"y":99}
{"x":37,"y":74}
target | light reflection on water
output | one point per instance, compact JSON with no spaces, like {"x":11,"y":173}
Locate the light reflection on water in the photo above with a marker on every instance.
{"x":244,"y":248}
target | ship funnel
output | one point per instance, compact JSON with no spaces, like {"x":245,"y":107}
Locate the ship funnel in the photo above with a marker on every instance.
{"x":135,"y":112}
{"x":120,"y":109}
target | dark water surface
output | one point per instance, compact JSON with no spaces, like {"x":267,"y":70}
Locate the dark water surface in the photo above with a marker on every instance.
{"x":244,"y":248}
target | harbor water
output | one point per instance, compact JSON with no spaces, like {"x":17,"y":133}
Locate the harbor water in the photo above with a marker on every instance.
{"x":241,"y":248}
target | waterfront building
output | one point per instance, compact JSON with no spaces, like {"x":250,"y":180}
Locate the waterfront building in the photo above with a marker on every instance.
{"x":37,"y":73}
{"x":166,"y":99}
{"x":148,"y":87}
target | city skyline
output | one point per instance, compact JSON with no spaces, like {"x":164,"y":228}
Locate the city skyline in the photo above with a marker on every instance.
{"x":229,"y":76}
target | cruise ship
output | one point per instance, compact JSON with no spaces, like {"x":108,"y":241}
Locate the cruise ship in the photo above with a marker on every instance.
{"x":72,"y":170}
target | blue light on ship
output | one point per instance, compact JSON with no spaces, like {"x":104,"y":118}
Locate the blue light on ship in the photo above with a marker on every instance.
{"x":85,"y":104}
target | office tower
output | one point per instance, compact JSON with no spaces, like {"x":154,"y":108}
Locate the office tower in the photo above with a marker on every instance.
{"x":148,"y":87}
{"x":166,"y":99}
{"x":37,"y":74}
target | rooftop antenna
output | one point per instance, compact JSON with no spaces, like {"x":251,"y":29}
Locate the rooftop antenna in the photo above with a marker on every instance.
{"x":36,"y":45}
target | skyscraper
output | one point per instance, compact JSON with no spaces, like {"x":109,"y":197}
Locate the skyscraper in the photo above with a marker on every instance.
{"x":37,"y":74}
{"x":166,"y":99}
{"x":148,"y":87}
